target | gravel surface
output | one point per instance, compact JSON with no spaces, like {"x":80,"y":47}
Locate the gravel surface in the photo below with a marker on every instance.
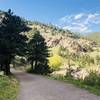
{"x":35,"y":87}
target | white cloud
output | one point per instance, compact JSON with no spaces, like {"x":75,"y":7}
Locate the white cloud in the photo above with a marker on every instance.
{"x":94,"y":18}
{"x":78,"y":16}
{"x":78,"y":28}
{"x":81,"y":22}
{"x":66,"y":18}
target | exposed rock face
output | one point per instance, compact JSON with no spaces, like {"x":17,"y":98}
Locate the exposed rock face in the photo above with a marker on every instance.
{"x":73,"y":45}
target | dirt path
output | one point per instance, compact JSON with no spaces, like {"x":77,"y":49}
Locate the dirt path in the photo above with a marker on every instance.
{"x":35,"y":87}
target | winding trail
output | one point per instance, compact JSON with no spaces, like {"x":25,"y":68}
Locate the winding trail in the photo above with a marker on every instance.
{"x":35,"y":87}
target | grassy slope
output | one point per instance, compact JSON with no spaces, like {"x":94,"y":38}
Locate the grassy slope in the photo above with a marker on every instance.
{"x":94,"y":36}
{"x":8,"y":88}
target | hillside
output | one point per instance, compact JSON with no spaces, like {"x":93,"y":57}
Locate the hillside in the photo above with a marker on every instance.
{"x":56,"y":37}
{"x":95,"y":37}
{"x":64,"y":45}
{"x":67,"y":48}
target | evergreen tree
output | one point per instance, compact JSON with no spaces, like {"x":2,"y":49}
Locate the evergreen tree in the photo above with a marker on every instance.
{"x":11,"y":41}
{"x":38,"y":55}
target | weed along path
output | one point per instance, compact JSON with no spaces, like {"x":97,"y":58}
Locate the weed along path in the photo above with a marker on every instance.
{"x":35,"y":87}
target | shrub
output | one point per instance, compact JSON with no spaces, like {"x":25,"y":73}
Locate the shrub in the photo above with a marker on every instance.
{"x":93,"y":79}
{"x":55,"y":62}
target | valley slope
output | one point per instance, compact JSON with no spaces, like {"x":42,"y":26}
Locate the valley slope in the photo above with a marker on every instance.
{"x":94,"y":36}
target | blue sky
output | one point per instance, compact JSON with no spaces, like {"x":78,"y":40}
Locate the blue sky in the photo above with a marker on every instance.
{"x":77,"y":15}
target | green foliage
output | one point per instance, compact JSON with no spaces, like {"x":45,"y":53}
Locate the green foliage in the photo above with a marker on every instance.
{"x":93,"y":79}
{"x":55,"y":62}
{"x":8,"y":88}
{"x":38,"y":53}
{"x":11,"y":41}
{"x":19,"y":62}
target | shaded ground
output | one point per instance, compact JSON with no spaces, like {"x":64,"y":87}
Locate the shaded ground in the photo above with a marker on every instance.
{"x":35,"y":87}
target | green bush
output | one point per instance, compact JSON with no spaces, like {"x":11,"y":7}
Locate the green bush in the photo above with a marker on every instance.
{"x":93,"y":79}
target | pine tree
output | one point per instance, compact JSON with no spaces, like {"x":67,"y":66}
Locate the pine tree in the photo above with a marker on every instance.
{"x":38,"y":55}
{"x":11,"y":41}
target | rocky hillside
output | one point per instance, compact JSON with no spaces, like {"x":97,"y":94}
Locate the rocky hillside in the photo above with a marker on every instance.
{"x":77,"y":49}
{"x":58,"y":37}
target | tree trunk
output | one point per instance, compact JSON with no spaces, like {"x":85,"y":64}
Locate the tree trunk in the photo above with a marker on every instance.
{"x":35,"y":63}
{"x":7,"y":70}
{"x":32,"y":67}
{"x":0,"y":67}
